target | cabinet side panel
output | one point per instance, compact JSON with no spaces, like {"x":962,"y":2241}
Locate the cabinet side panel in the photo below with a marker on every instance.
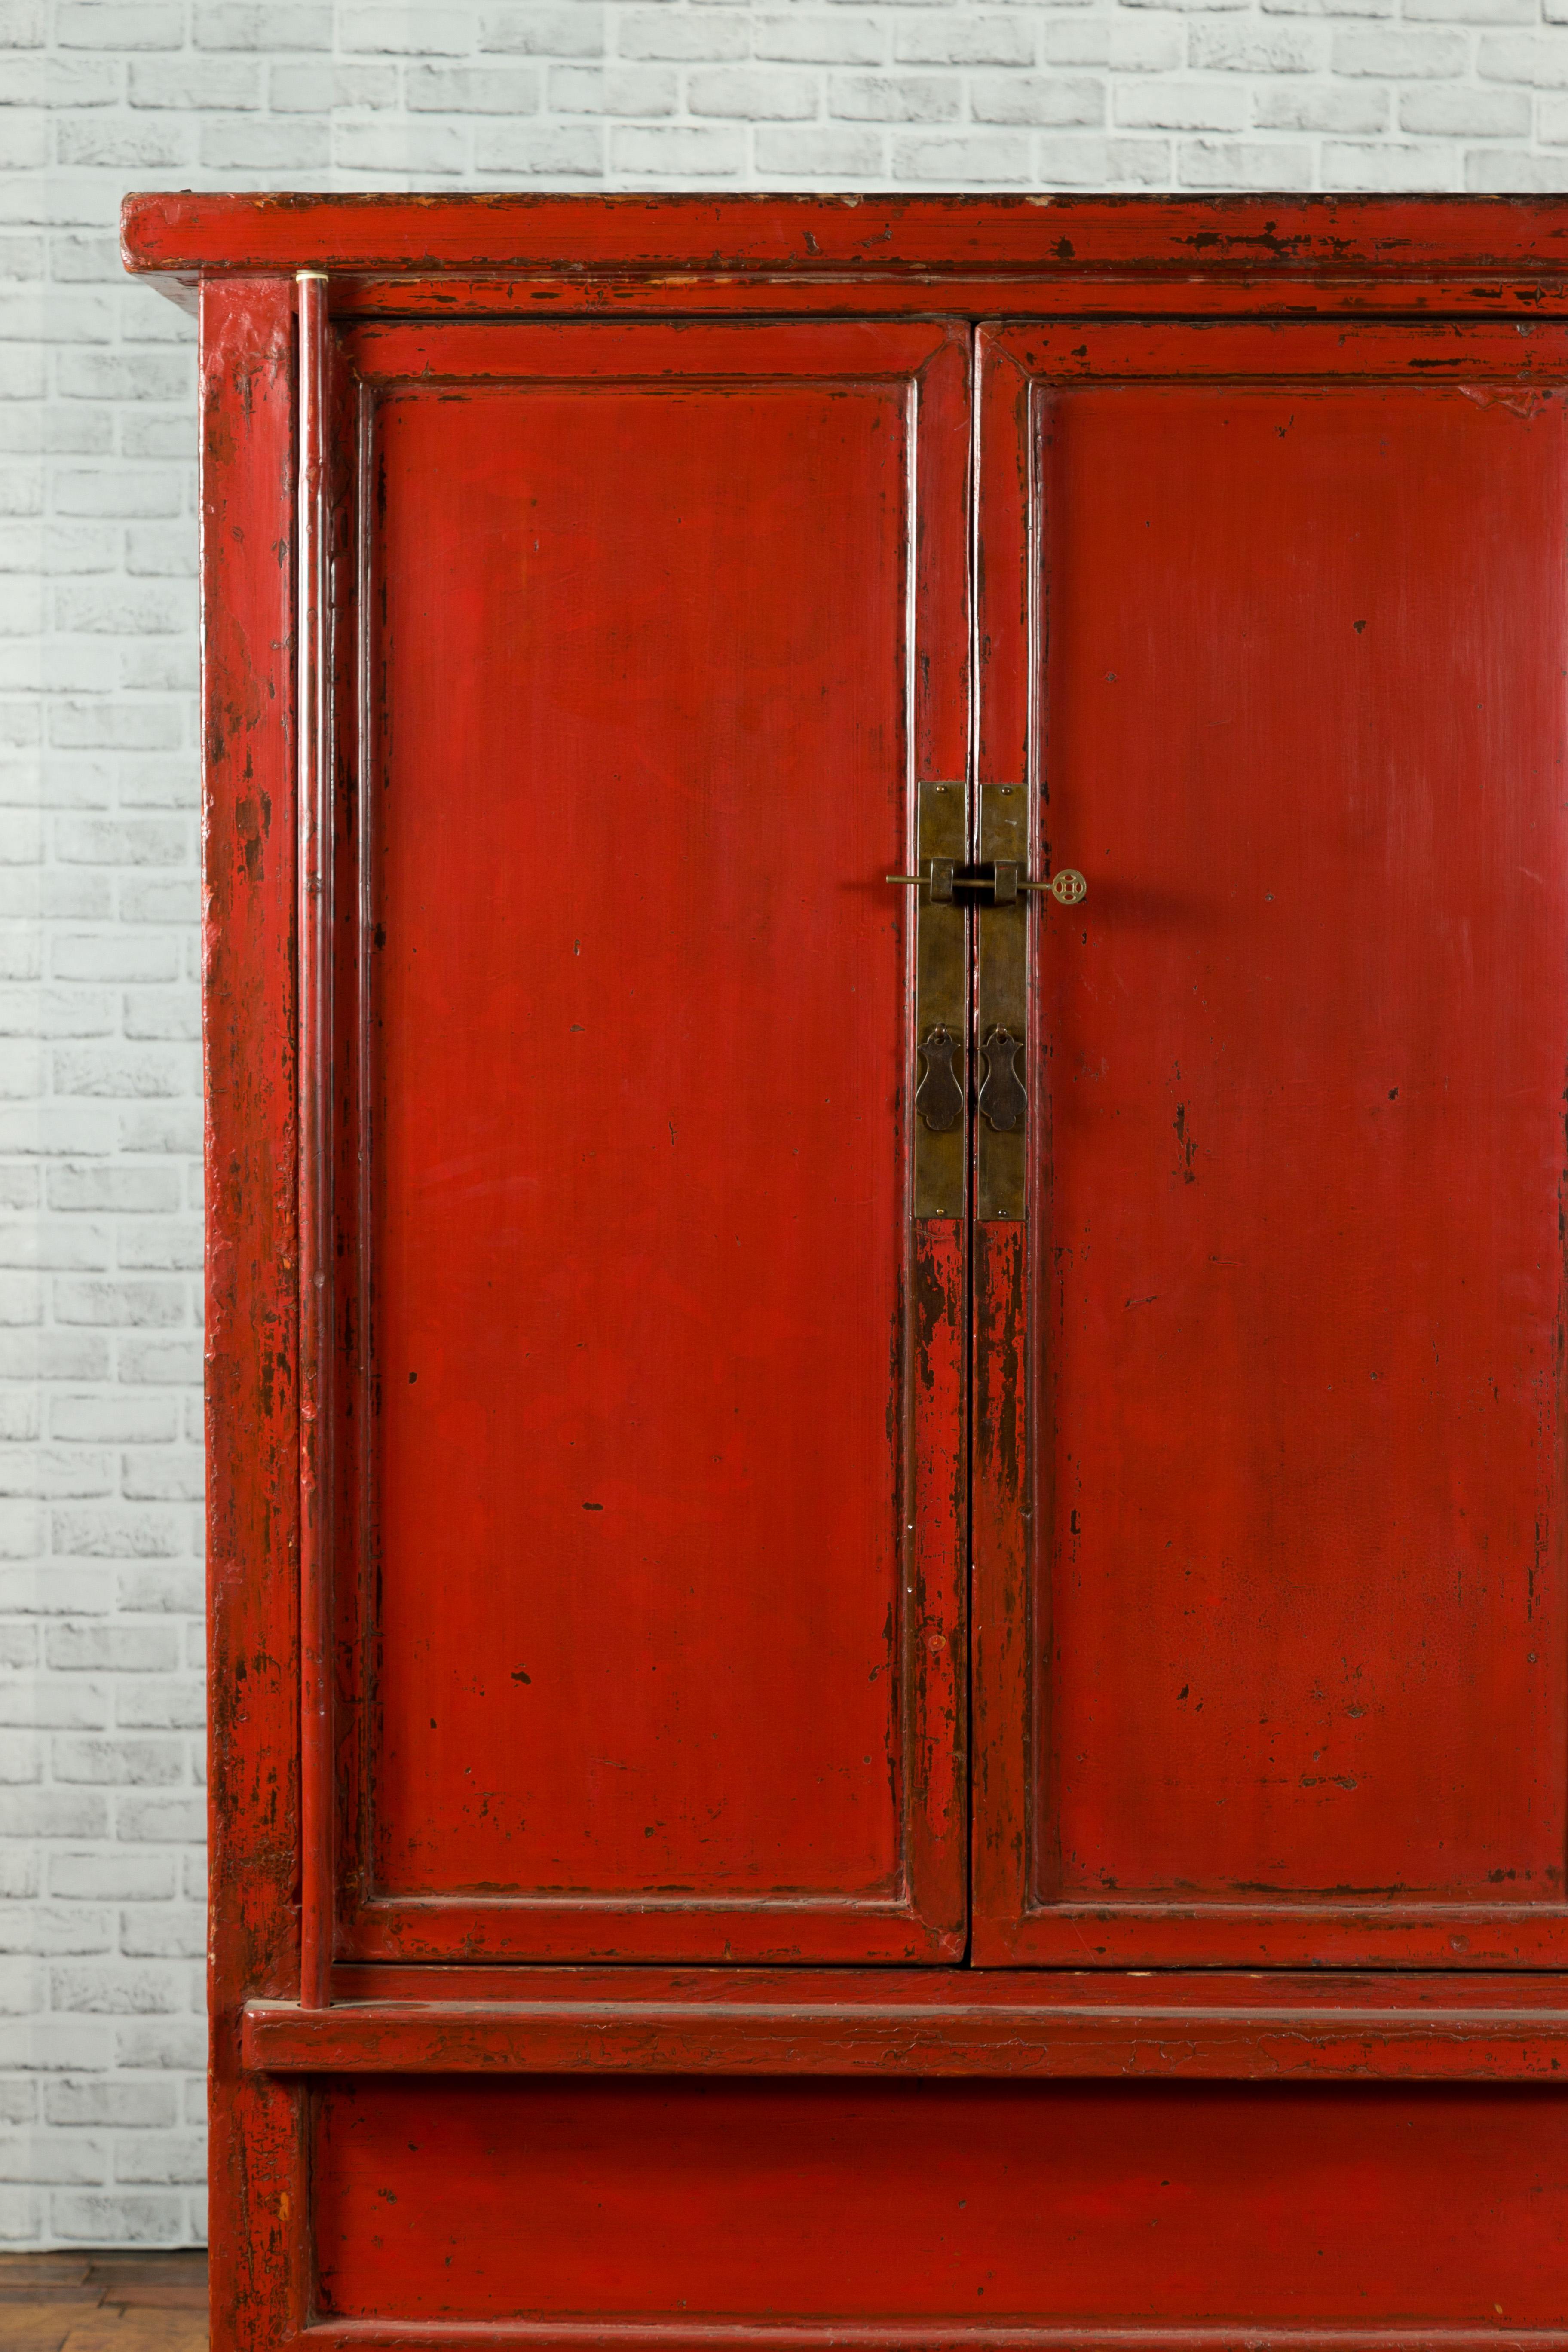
{"x":247,"y":940}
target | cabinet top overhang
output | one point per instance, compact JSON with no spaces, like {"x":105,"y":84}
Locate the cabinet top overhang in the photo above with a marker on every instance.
{"x":1433,"y":254}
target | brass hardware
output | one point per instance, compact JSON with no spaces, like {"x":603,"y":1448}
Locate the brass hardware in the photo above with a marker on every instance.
{"x":942,"y":1019}
{"x":939,"y":1097}
{"x":994,"y":883}
{"x":1002,"y":1006}
{"x":1002,"y":1100}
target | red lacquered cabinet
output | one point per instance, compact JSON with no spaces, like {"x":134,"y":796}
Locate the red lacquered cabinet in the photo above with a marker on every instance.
{"x":887,"y":1035}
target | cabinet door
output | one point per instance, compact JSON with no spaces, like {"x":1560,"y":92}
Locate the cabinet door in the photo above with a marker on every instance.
{"x":650,"y":1572}
{"x":1269,"y":1606}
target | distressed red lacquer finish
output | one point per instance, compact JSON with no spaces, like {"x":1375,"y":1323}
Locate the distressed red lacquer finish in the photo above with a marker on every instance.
{"x":789,"y":1770}
{"x":660,"y":1637}
{"x":1284,"y":1676}
{"x":260,"y":2260}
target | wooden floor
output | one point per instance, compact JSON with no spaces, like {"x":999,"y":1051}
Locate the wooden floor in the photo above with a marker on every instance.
{"x":103,"y":2303}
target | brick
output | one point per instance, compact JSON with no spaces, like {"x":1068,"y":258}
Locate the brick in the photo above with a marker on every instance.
{"x":156,"y":548}
{"x":164,"y":1931}
{"x":816,"y":37}
{"x":18,"y":2102}
{"x":1400,"y":55}
{"x":472,"y":89}
{"x":1047,"y":99}
{"x":156,"y":1362}
{"x":38,"y":1585}
{"x":260,"y":24}
{"x":51,"y":1701}
{"x":980,"y":38}
{"x":161,"y":1128}
{"x":114,"y":1989}
{"x":1463,"y":111}
{"x":970,"y":159}
{"x":161,"y":2156}
{"x":114,"y":1419}
{"x":705,"y":152}
{"x":75,"y":1185}
{"x":429,"y":31}
{"x":756,"y":93}
{"x":174,"y":1586}
{"x":149,"y":2101}
{"x":104,"y":26}
{"x":1242,"y":163}
{"x":117,"y":2217}
{"x":613,"y":89}
{"x":21,"y":1758}
{"x":127,"y":145}
{"x":130,"y":1304}
{"x":1475,"y":12}
{"x":895,"y":98}
{"x":1329,"y":7}
{"x":121,"y":1070}
{"x":193,"y":84}
{"x":54,"y":1928}
{"x":574,"y":29}
{"x":71,"y":1243}
{"x":167,"y":1013}
{"x":179,"y":2043}
{"x":1166,"y":104}
{"x":122,"y":1762}
{"x":52,"y":1471}
{"x":47,"y":2158}
{"x":819,"y":153}
{"x":110,"y":1649}
{"x":1258,"y":49}
{"x":1496,"y":171}
{"x":57,"y":81}
{"x":710,"y":35}
{"x":1541,"y":59}
{"x":21,"y":1298}
{"x":390,"y":145}
{"x":52,"y":1356}
{"x":176,"y":1703}
{"x":109,"y":955}
{"x":1324,"y":106}
{"x":1386,"y":166}
{"x":320,"y":87}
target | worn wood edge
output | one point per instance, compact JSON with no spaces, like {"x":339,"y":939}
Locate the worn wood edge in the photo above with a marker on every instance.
{"x":1112,"y":2041}
{"x":1500,"y":235}
{"x":903,"y":2336}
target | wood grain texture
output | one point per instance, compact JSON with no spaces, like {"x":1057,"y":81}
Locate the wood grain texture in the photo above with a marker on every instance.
{"x":1203,"y":240}
{"x":931,"y":2023}
{"x":873,"y":2202}
{"x":248,"y":876}
{"x":665,"y":1652}
{"x":463,"y":2151}
{"x":1295,"y":1686}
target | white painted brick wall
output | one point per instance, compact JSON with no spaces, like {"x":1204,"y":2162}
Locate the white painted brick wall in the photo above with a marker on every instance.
{"x":100,"y":1933}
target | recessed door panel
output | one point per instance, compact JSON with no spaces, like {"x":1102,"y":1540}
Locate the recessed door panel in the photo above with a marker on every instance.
{"x":1292,"y":1682}
{"x":661,"y":1625}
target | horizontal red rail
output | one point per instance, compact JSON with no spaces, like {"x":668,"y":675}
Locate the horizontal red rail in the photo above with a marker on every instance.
{"x":1220,"y":2028}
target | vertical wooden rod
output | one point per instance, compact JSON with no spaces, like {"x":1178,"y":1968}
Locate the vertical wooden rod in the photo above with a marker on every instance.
{"x":315,"y":1908}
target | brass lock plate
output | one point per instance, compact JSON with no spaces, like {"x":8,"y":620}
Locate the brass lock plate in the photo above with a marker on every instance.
{"x":941,"y":1010}
{"x":1002,"y":1015}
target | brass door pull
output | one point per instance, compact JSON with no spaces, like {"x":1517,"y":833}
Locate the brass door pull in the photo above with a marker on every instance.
{"x":994,"y":882}
{"x":939,"y":1097}
{"x":1002,"y":1101}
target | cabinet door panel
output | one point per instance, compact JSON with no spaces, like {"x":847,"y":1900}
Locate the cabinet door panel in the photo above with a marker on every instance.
{"x":1282,"y":1675}
{"x":660,"y":1639}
